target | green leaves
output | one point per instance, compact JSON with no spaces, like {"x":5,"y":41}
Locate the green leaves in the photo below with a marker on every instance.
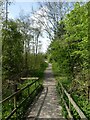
{"x":69,"y":51}
{"x":76,"y":37}
{"x":12,"y":49}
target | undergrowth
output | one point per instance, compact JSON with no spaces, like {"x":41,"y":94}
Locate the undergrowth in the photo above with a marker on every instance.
{"x":77,"y":91}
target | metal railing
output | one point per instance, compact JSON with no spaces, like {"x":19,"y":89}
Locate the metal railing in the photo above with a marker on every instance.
{"x":36,"y":85}
{"x":71,"y":102}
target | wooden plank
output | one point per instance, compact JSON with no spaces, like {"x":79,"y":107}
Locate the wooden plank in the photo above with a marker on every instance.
{"x":81,"y":114}
{"x":30,"y":78}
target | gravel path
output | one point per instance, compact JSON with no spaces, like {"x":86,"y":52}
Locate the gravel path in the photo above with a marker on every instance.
{"x":47,"y":106}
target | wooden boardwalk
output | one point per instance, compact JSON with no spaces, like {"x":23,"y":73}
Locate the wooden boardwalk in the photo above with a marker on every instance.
{"x":46,"y":106}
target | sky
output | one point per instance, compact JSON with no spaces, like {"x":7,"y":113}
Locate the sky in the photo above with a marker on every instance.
{"x":18,"y":7}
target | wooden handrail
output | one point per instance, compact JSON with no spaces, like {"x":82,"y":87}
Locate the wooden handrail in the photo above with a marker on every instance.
{"x":14,"y":110}
{"x":15,"y":93}
{"x":81,"y":114}
{"x":30,"y":78}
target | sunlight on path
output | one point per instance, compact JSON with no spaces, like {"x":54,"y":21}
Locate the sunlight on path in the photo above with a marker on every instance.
{"x":47,"y":105}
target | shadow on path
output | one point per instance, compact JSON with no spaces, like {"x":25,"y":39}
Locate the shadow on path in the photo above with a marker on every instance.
{"x":47,"y":106}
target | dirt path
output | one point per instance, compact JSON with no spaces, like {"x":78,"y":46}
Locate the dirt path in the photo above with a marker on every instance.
{"x":47,"y":105}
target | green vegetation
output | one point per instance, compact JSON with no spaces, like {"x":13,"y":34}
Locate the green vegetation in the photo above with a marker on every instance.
{"x":69,"y":53}
{"x":12,"y":50}
{"x":70,"y":56}
{"x":36,"y":65}
{"x":18,"y":61}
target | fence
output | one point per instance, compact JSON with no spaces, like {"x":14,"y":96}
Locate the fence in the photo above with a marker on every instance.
{"x":30,"y":94}
{"x":71,"y":102}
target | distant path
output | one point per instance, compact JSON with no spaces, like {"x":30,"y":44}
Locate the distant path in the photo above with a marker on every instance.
{"x":47,"y":105}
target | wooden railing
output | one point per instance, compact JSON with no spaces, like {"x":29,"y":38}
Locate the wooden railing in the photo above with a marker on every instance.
{"x":35,"y":83}
{"x":71,"y":102}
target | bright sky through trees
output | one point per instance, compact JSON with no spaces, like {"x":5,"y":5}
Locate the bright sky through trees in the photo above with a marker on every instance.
{"x":25,"y":6}
{"x":52,"y":0}
{"x":17,"y":8}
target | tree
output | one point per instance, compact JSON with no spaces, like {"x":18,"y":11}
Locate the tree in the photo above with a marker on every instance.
{"x":88,"y":7}
{"x":76,"y":37}
{"x":12,"y":50}
{"x":24,"y":27}
{"x":50,"y":14}
{"x":69,"y":48}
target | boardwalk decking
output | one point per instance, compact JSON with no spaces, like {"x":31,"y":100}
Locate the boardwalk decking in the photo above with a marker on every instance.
{"x":47,"y":105}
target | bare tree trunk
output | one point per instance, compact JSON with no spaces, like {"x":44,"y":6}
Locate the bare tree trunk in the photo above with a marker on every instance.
{"x":6,"y":12}
{"x":37,"y":43}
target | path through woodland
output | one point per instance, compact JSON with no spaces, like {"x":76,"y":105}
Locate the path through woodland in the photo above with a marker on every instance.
{"x":47,"y":105}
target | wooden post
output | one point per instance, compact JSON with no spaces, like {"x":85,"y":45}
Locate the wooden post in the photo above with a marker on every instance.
{"x":28,"y":91}
{"x":38,"y":82}
{"x":69,"y":105}
{"x":62,"y":92}
{"x":35,"y":85}
{"x":15,"y":98}
{"x":15,"y":103}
